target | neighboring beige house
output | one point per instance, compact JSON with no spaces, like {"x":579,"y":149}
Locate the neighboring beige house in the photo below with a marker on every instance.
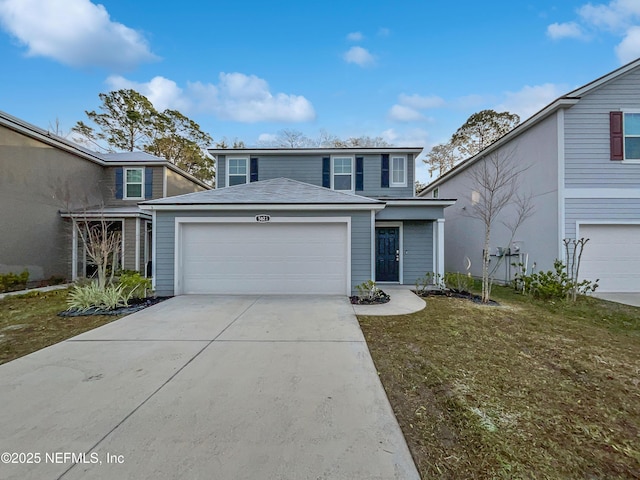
{"x":49,"y":184}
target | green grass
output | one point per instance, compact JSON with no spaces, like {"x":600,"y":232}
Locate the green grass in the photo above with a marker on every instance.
{"x":31,"y":322}
{"x":529,"y":389}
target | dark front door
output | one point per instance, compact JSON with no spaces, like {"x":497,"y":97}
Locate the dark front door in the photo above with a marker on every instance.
{"x":387,"y":254}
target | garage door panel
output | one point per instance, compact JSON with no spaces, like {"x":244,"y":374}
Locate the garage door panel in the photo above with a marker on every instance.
{"x":272,"y":258}
{"x":612,"y":255}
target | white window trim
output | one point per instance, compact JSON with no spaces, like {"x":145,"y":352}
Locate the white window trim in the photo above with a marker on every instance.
{"x":124,"y":183}
{"x":624,"y":138}
{"x":435,"y":193}
{"x":404,"y":166}
{"x":353,"y":172}
{"x":246,"y":159}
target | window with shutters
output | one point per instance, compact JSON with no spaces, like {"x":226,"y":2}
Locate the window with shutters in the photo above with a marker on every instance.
{"x":631,"y":131}
{"x":342,"y":173}
{"x":133,"y":183}
{"x":237,"y":171}
{"x":398,"y":171}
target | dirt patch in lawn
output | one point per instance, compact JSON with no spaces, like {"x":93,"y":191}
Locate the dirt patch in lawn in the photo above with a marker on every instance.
{"x":527,"y":389}
{"x":31,"y":322}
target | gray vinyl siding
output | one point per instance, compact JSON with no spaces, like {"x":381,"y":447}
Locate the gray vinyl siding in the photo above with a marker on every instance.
{"x":587,"y":155}
{"x":165,"y":241}
{"x":464,"y":234}
{"x":417,"y":245}
{"x":157,"y":185}
{"x":601,"y":210}
{"x":129,"y":261}
{"x":419,"y":212}
{"x":308,"y":169}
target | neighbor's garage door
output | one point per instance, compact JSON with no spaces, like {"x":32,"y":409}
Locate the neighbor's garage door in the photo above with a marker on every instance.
{"x":612,"y":255}
{"x":273,"y":258}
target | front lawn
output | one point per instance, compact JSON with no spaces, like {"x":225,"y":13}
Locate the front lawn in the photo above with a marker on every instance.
{"x":30,"y":322}
{"x":529,"y":389}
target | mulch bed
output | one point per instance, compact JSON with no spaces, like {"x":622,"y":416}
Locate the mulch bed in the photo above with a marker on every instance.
{"x":455,"y":294}
{"x":135,"y":305}
{"x":379,"y":299}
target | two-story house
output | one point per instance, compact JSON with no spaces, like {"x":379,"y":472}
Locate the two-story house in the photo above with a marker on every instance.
{"x":51,"y":187}
{"x":582,"y":159}
{"x":295,"y":221}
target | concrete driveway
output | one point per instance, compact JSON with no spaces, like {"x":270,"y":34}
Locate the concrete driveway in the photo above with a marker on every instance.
{"x":205,"y":387}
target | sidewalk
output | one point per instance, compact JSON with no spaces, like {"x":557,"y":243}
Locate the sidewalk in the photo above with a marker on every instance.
{"x":403,"y":301}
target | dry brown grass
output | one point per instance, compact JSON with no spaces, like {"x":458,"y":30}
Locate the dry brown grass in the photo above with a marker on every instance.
{"x":526,"y":390}
{"x":31,"y":322}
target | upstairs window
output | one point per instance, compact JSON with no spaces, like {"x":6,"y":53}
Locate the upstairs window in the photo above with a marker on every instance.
{"x":236,"y":171}
{"x":342,"y":177}
{"x":435,"y":193}
{"x":133,"y":183}
{"x":632,"y":136}
{"x":398,"y":171}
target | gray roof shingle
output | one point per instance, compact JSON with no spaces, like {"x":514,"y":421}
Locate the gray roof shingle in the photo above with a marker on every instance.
{"x":275,"y":191}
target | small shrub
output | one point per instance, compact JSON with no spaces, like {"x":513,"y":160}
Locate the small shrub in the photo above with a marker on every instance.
{"x":367,"y":290}
{"x":13,"y":281}
{"x":554,"y":283}
{"x":135,"y":284}
{"x":430,"y":279}
{"x":458,"y":282}
{"x":91,"y":295}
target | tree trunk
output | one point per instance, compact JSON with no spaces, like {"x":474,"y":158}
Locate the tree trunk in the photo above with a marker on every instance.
{"x":486,"y":291}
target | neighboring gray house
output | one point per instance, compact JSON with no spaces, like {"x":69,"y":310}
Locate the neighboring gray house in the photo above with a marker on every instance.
{"x":49,"y":184}
{"x":297,"y":221}
{"x":583,"y":154}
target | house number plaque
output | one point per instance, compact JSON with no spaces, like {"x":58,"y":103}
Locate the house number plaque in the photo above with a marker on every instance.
{"x":263,"y":218}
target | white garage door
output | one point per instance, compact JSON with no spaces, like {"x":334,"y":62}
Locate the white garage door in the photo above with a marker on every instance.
{"x":269,"y":258}
{"x":612,"y":255}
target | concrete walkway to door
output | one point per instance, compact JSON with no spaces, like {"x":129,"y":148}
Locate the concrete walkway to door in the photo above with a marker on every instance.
{"x":206,"y":387}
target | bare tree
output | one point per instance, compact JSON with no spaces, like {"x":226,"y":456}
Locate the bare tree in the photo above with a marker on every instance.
{"x":495,"y":185}
{"x":442,"y":158}
{"x":102,"y":246}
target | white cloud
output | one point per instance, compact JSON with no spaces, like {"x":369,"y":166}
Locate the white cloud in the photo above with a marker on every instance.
{"x":414,"y":137}
{"x":421,"y":102}
{"x":529,"y":99}
{"x":267,"y":138}
{"x":614,"y":16}
{"x":408,"y":107}
{"x":557,"y":31}
{"x":360,"y":56}
{"x":355,"y":37}
{"x":236,"y":97}
{"x":74,"y":32}
{"x":162,"y":92}
{"x":402,"y":113}
{"x":618,"y":17}
{"x":629,"y":49}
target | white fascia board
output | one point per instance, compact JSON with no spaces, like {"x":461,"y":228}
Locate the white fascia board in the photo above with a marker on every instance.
{"x":310,"y":151}
{"x":265,"y":206}
{"x":106,"y":216}
{"x":420,"y":203}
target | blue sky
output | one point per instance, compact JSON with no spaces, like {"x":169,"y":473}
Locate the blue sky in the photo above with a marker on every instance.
{"x":409,"y":71}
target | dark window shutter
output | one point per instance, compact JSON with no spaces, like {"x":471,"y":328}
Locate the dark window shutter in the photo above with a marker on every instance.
{"x":148,"y":182}
{"x":119,"y":186}
{"x":359,"y":173}
{"x":384,"y":179}
{"x":326,"y":172}
{"x":253,"y":173}
{"x":616,"y":135}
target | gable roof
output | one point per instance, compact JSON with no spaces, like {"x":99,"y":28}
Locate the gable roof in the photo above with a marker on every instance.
{"x":277,"y":191}
{"x":565,"y":101}
{"x":135,"y":157}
